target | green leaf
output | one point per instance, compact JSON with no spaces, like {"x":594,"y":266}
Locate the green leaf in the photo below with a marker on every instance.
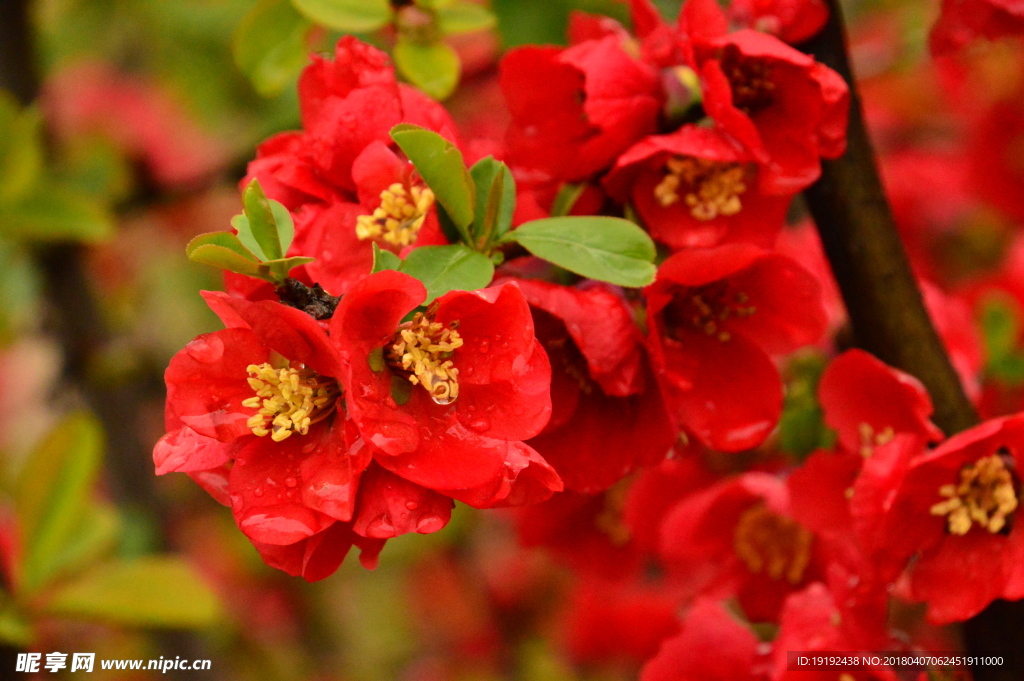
{"x":432,"y":67}
{"x":21,"y":149}
{"x":151,"y":591}
{"x":269,"y":45}
{"x":227,"y":259}
{"x":1000,"y":327}
{"x":280,"y":268}
{"x":464,"y":18}
{"x":802,"y":427}
{"x":56,"y":213}
{"x":567,"y":196}
{"x":384,"y":260}
{"x":260,"y":227}
{"x":448,"y":268}
{"x":350,"y":16}
{"x":53,"y":494}
{"x":14,"y":628}
{"x":495,"y":200}
{"x":440,"y":164}
{"x":223,"y":239}
{"x":602,"y":248}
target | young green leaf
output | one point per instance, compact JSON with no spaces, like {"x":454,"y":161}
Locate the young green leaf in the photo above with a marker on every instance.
{"x":280,"y":268}
{"x":567,"y":196}
{"x":448,"y":268}
{"x":433,"y":67}
{"x":261,"y":224}
{"x":223,"y":239}
{"x":350,"y":16}
{"x":602,"y":248}
{"x":384,"y":260}
{"x":464,"y":18}
{"x":53,"y":493}
{"x":440,"y":164}
{"x":152,"y":591}
{"x":269,"y":45}
{"x":495,"y":200}
{"x":227,"y":259}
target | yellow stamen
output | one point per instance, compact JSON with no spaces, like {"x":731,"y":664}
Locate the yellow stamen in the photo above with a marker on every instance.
{"x":288,"y":400}
{"x":768,"y":542}
{"x":423,"y":349}
{"x":869,"y":439}
{"x":985,"y":495}
{"x":712,"y":188}
{"x":401,"y":214}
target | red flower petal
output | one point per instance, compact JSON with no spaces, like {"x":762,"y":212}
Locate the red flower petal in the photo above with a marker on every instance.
{"x":390,"y":506}
{"x":187,"y":451}
{"x":313,"y":558}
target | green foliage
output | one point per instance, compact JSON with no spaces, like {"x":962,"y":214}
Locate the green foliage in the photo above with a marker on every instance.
{"x":448,"y":268}
{"x":384,"y":260}
{"x":269,"y":45}
{"x":602,"y":248}
{"x":53,"y":495}
{"x":802,"y":426}
{"x":522,"y":22}
{"x":152,"y":591}
{"x":1000,"y":331}
{"x":21,"y":151}
{"x":432,"y":66}
{"x":495,"y":201}
{"x":465,"y":17}
{"x":566,"y":198}
{"x":19,"y":291}
{"x":351,"y":16}
{"x":440,"y":164}
{"x":265,"y":232}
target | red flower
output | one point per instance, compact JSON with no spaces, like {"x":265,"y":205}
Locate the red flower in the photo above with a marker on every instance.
{"x":608,"y":416}
{"x":963,"y":21}
{"x":697,"y":187}
{"x":715,"y":318}
{"x":791,"y":21}
{"x":575,"y":109}
{"x":340,"y":174}
{"x":445,"y":399}
{"x":954,"y":508}
{"x":868,"y":403}
{"x":777,"y":101}
{"x":712,"y":646}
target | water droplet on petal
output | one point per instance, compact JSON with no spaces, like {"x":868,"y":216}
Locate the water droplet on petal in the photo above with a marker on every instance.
{"x":206,"y":349}
{"x":307,"y":448}
{"x":411,"y":505}
{"x":480,"y":425}
{"x":484,"y":346}
{"x":258,"y":491}
{"x":290,"y":481}
{"x":429,"y":524}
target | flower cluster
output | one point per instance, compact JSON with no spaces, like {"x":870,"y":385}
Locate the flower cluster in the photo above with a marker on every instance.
{"x":614,"y":330}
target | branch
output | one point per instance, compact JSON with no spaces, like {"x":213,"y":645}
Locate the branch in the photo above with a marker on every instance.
{"x":886,"y":310}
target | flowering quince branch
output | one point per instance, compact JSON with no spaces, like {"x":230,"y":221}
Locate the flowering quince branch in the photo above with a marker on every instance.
{"x":885,"y":306}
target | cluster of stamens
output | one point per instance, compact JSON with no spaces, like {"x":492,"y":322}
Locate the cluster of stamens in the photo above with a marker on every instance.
{"x":712,"y":188}
{"x":423,"y":349}
{"x":288,"y":400}
{"x":400,"y":216}
{"x":768,"y":542}
{"x":707,"y":308}
{"x":985,"y":495}
{"x":750,"y":80}
{"x":869,"y":439}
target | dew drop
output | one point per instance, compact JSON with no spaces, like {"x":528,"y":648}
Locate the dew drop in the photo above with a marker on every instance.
{"x":480,"y":425}
{"x":258,"y":491}
{"x":484,"y":346}
{"x":411,"y":505}
{"x":290,"y":481}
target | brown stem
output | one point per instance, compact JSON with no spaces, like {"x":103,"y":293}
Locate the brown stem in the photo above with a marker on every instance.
{"x":886,"y":310}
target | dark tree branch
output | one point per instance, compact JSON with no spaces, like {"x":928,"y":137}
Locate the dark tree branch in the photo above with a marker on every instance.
{"x":886,"y":310}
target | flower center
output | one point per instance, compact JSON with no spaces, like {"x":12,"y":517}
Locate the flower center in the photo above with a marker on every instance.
{"x":288,"y":400}
{"x":985,"y":495}
{"x":401,"y":214}
{"x":711,"y":188}
{"x":706,"y":309}
{"x":750,"y":80}
{"x":423,"y":348}
{"x":768,"y":542}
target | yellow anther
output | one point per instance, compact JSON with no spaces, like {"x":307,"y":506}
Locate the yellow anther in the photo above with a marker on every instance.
{"x":869,"y":439}
{"x":400,"y":216}
{"x":288,"y":400}
{"x":771,"y":543}
{"x":711,"y":188}
{"x":423,"y":348}
{"x":985,"y":495}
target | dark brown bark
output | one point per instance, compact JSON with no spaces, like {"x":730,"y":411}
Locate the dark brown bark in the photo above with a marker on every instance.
{"x":886,"y":310}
